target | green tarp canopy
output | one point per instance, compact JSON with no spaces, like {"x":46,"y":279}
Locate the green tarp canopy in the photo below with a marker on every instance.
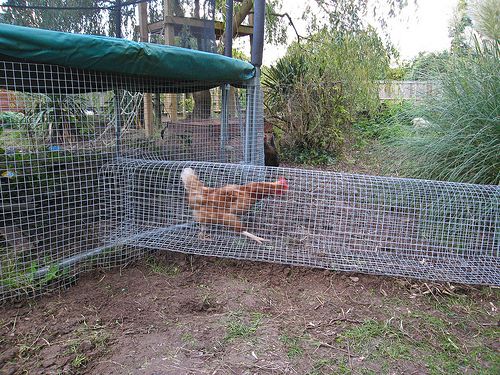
{"x":144,"y":66}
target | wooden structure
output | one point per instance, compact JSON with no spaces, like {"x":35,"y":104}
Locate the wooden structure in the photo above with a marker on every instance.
{"x":172,"y":25}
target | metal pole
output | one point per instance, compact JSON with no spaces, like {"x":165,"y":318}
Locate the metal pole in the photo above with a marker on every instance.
{"x":259,"y":10}
{"x":117,"y":99}
{"x":257,"y":119}
{"x":78,"y":258}
{"x":224,"y":126}
{"x":118,"y":121}
{"x":249,"y":116}
{"x":228,"y":42}
{"x":118,"y":18}
{"x":228,"y":51}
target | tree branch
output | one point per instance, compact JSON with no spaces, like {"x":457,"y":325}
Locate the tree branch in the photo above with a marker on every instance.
{"x":286,"y":15}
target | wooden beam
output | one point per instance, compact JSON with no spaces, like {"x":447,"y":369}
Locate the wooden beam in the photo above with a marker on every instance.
{"x":148,"y":102}
{"x":157,"y":27}
{"x":238,"y":18}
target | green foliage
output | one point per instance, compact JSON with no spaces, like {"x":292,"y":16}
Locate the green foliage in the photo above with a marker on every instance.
{"x":91,"y":21}
{"x":187,"y":103}
{"x":160,"y":268}
{"x":17,"y":274}
{"x":485,"y":16}
{"x":462,"y":139}
{"x":307,"y":156}
{"x":293,"y":345}
{"x":391,"y":121}
{"x":10,"y":119}
{"x":350,"y":15}
{"x":238,"y":54}
{"x":426,"y":65}
{"x":398,"y":73}
{"x":238,"y":327}
{"x":457,"y":28}
{"x":318,"y":88}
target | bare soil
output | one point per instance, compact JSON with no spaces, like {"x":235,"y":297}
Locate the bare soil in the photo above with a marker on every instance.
{"x":176,"y":314}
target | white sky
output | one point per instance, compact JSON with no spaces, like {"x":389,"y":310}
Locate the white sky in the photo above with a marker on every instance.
{"x":421,"y":28}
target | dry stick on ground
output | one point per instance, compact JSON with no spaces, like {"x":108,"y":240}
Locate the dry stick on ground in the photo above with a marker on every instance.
{"x":345,"y":320}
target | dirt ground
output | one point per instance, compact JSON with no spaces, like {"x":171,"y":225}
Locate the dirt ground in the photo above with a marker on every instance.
{"x":176,"y":314}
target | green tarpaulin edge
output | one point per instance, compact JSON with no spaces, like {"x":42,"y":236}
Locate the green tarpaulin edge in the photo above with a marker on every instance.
{"x":120,"y":56}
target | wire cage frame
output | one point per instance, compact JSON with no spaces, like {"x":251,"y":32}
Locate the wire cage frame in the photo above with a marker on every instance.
{"x":379,"y":225}
{"x":82,"y":184}
{"x":61,"y":126}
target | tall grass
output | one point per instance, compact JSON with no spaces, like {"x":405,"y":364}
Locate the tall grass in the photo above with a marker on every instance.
{"x":462,"y":139}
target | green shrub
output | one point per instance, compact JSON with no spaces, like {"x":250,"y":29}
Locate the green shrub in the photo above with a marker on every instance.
{"x":462,"y":139}
{"x":10,"y":119}
{"x":391,"y":121}
{"x":319,"y":88}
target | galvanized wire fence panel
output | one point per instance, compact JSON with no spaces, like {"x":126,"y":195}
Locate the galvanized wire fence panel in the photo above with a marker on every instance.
{"x":380,"y":225}
{"x":87,"y":178}
{"x":59,"y":128}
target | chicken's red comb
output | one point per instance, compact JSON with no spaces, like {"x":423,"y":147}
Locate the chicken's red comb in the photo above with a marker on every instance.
{"x":283,"y":182}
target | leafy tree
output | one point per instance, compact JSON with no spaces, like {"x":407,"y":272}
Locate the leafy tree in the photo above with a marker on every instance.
{"x":88,"y":21}
{"x":460,"y":22}
{"x":398,"y":73}
{"x":428,"y":64}
{"x":321,"y":86}
{"x":349,"y":15}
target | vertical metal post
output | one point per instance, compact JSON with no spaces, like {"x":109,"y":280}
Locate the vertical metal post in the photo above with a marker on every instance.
{"x":259,"y":10}
{"x":224,"y":126}
{"x":228,"y":41}
{"x":118,"y":120}
{"x":248,"y":123}
{"x":228,"y":51}
{"x":254,"y":116}
{"x":169,"y":34}
{"x":118,"y":18}
{"x":117,"y":99}
{"x":147,"y":98}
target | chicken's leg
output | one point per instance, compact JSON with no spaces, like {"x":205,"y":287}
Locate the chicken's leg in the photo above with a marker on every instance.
{"x":254,"y":237}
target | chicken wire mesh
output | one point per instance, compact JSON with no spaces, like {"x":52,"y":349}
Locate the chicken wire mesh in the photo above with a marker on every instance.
{"x":59,"y":127}
{"x":87,"y":178}
{"x":380,"y":225}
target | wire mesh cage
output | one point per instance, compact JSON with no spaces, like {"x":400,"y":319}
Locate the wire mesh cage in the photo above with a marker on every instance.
{"x":380,"y":225}
{"x":61,"y":126}
{"x":98,"y":166}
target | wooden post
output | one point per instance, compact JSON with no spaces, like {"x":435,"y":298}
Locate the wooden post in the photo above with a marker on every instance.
{"x":148,"y":100}
{"x":250,"y":23}
{"x":168,"y":11}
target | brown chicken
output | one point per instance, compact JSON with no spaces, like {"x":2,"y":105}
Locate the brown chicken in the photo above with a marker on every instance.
{"x":223,"y":205}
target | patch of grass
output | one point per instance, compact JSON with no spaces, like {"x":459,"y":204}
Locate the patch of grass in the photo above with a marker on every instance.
{"x":361,"y":334}
{"x":188,"y":339}
{"x":96,"y":337}
{"x":444,"y":353}
{"x":293,"y":344}
{"x":161,"y":268}
{"x":397,"y":350}
{"x":387,"y":341}
{"x":323,"y":366}
{"x":79,"y":361}
{"x":28,"y":350}
{"x":237,"y":327}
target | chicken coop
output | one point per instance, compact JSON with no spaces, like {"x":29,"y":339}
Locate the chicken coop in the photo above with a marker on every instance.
{"x":85,"y":183}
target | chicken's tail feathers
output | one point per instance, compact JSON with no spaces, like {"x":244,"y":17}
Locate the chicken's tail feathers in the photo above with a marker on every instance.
{"x":190,"y":180}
